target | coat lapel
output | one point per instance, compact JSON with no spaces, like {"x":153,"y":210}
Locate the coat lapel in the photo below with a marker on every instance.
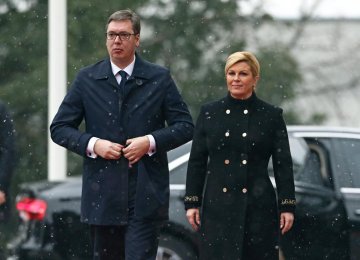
{"x":104,"y":72}
{"x":142,"y":72}
{"x":140,"y":75}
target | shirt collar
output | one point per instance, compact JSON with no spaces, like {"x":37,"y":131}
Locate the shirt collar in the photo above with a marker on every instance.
{"x":128,"y":69}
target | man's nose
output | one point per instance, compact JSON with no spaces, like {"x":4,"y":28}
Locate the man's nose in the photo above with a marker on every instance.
{"x":117,"y":39}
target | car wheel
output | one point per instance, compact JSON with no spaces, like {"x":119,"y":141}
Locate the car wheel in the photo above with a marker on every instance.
{"x":174,"y":248}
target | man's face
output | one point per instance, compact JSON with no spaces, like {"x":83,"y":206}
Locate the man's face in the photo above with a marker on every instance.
{"x":120,"y":51}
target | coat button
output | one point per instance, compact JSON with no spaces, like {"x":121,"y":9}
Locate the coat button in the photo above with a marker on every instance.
{"x":244,"y":134}
{"x":227,"y":161}
{"x":244,"y":162}
{"x":227,"y":111}
{"x":246,"y":111}
{"x":227,"y":134}
{"x":224,"y":189}
{"x":244,"y":190}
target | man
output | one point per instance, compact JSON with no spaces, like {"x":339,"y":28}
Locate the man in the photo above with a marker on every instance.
{"x":7,"y":157}
{"x":125,"y":102}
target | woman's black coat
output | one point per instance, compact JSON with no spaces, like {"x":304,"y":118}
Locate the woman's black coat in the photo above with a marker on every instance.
{"x":228,"y":178}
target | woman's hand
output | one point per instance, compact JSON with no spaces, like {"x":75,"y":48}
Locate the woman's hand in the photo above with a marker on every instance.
{"x":2,"y":197}
{"x":286,"y":221}
{"x":193,"y":216}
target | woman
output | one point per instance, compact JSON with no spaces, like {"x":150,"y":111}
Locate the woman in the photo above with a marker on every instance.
{"x":227,"y":174}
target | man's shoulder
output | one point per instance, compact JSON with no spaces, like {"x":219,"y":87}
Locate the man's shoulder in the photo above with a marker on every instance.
{"x":148,"y":69}
{"x":154,"y":66}
{"x":95,"y":66}
{"x":98,"y":70}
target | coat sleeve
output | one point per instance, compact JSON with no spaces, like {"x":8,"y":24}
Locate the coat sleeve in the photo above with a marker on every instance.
{"x":7,"y":148}
{"x":64,"y":128}
{"x":283,"y":168}
{"x":180,"y":126}
{"x":196,"y":172}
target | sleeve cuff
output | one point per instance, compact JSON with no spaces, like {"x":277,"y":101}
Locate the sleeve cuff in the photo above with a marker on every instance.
{"x":90,"y":147}
{"x":287,"y":205}
{"x":152,"y":148}
{"x":192,"y":202}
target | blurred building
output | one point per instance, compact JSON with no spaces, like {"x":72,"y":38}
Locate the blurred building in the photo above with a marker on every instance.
{"x":329,"y":58}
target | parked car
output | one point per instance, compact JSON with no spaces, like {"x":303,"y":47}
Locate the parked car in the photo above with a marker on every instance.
{"x":327,"y":186}
{"x":327,"y":226}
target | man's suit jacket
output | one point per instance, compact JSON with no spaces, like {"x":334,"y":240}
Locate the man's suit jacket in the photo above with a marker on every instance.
{"x":151,"y":101}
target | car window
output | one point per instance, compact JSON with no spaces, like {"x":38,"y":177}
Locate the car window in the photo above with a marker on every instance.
{"x":299,"y":152}
{"x":316,"y":167}
{"x":311,"y":173}
{"x":347,"y":161}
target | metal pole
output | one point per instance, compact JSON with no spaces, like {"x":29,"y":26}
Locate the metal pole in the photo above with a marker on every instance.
{"x":57,"y":163}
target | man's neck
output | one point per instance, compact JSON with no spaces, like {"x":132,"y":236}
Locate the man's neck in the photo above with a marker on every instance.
{"x":127,"y":68}
{"x":123,"y":64}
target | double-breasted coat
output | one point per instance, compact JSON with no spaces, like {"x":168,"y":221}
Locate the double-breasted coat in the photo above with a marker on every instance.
{"x":228,"y":178}
{"x":151,"y":100}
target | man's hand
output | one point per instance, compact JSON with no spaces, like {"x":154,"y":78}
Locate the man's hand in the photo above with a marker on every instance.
{"x":193,"y":216}
{"x":108,"y":150}
{"x":2,"y":197}
{"x":136,"y":148}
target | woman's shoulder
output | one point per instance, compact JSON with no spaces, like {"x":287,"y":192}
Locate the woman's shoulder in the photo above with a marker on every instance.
{"x":262,"y":105}
{"x":213,"y":105}
{"x":211,"y":108}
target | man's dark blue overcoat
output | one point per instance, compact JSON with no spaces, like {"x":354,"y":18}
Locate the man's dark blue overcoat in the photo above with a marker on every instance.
{"x":151,"y":105}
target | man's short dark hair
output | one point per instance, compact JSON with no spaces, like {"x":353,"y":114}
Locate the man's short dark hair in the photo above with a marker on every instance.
{"x":126,"y":14}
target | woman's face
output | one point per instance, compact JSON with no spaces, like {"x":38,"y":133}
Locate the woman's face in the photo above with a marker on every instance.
{"x":240,"y":80}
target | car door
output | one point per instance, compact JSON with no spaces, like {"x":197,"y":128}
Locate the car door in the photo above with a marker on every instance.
{"x":177,"y":239}
{"x":319,"y":218}
{"x":346,"y":162}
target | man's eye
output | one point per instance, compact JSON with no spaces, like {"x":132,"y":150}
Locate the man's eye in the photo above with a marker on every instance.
{"x":124,"y":34}
{"x":111,"y":34}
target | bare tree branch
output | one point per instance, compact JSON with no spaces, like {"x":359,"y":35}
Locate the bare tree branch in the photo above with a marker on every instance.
{"x":305,"y":17}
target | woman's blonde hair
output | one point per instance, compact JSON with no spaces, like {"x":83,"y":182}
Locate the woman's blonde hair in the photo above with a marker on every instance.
{"x":245,"y":56}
